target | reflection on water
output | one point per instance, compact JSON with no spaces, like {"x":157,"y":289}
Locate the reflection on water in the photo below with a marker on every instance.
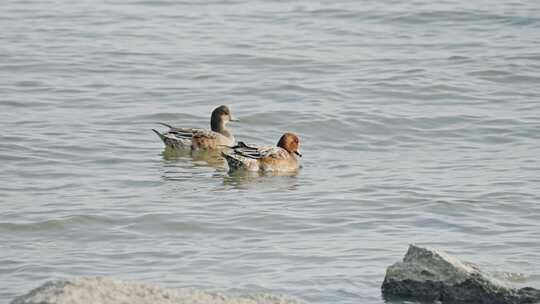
{"x":241,"y":178}
{"x":211,"y":158}
{"x":177,"y":159}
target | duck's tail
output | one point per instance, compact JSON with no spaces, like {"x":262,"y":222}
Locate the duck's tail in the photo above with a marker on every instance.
{"x":234,"y":160}
{"x":160,"y":135}
{"x":172,"y":141}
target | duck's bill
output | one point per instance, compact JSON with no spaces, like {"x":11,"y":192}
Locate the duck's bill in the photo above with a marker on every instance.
{"x":233,"y":119}
{"x":297,"y":153}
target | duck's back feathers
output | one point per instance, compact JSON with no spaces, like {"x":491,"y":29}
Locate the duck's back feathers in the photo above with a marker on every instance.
{"x":180,"y":138}
{"x":255,"y":152}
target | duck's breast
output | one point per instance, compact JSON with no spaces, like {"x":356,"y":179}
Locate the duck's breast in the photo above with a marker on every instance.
{"x":281,"y":160}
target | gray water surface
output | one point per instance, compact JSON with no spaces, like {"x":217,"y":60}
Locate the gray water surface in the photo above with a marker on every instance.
{"x":419,"y":123}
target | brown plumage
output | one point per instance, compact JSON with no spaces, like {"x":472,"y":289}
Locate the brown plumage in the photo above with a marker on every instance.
{"x":256,"y":158}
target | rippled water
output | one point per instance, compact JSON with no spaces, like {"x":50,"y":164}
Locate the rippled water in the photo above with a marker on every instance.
{"x":419,"y":122}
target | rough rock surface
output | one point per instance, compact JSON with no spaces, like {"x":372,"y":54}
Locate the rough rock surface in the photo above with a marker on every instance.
{"x":431,"y":275}
{"x":111,"y":291}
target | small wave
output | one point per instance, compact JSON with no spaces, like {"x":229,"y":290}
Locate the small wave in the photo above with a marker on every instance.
{"x":59,"y":224}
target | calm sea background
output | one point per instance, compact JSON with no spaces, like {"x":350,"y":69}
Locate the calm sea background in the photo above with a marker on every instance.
{"x":419,"y":123}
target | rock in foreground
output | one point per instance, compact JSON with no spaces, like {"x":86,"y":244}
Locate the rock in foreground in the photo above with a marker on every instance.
{"x":431,"y":275}
{"x":110,"y":291}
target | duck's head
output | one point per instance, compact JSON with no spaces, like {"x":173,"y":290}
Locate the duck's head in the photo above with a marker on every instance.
{"x":290,"y":142}
{"x":220,"y":116}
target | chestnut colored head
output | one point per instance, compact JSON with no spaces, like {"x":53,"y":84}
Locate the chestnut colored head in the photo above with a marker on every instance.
{"x":290,"y":142}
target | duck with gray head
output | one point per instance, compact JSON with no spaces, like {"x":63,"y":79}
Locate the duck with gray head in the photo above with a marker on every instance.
{"x":194,"y":138}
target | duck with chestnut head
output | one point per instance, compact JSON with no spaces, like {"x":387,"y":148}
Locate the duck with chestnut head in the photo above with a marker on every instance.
{"x":282,"y":157}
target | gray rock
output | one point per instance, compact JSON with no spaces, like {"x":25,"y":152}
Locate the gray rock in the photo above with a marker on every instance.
{"x":431,"y":275}
{"x":111,"y":291}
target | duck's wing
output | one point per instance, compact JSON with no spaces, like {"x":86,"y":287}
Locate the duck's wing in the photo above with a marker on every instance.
{"x":176,"y":137}
{"x":256,"y":152}
{"x":203,"y":133}
{"x":179,"y":132}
